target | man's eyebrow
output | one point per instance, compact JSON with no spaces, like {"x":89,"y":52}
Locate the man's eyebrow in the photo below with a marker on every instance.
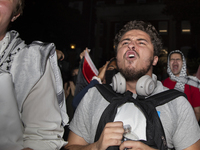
{"x":141,"y":39}
{"x":126,"y":39}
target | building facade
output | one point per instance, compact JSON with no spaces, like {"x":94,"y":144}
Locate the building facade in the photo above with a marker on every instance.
{"x":108,"y":16}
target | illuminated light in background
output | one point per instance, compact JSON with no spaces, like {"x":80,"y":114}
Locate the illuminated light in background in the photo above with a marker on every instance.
{"x":73,"y":46}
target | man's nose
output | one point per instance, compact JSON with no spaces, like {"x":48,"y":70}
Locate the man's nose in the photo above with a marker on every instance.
{"x":176,"y":60}
{"x":131,"y":45}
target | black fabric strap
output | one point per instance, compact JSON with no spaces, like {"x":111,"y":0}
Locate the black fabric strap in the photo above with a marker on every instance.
{"x":109,"y":113}
{"x":154,"y":131}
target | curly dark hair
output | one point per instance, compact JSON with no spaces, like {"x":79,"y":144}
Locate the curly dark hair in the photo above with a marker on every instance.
{"x":143,"y":26}
{"x":19,"y":8}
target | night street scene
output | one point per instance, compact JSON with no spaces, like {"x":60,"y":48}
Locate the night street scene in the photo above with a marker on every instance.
{"x":94,"y":23}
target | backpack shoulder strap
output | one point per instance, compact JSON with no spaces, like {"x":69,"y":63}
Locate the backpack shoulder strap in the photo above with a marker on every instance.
{"x":155,"y":132}
{"x":107,"y":92}
{"x":148,"y":106}
{"x":157,"y":99}
{"x":164,"y":97}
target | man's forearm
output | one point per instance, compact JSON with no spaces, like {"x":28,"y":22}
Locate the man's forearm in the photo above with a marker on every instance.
{"x":197,"y":112}
{"x":80,"y":147}
{"x":197,"y":116}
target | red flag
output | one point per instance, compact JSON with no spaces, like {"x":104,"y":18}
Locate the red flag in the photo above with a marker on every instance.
{"x":89,"y":69}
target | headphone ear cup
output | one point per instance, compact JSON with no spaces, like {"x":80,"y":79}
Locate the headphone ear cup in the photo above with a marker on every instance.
{"x":145,"y":85}
{"x":119,"y":83}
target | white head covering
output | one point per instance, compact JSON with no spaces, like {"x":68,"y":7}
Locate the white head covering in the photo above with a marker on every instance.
{"x":183,"y":78}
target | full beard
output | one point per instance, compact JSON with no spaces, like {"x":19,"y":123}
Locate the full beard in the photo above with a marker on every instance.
{"x":132,"y":74}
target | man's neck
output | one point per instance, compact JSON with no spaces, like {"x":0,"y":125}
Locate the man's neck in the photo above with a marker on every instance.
{"x":131,"y":86}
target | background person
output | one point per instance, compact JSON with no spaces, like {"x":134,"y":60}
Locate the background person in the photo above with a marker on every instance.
{"x":178,"y":79}
{"x":106,"y":73}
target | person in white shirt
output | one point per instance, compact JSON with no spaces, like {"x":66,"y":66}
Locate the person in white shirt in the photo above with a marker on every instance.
{"x":37,"y":86}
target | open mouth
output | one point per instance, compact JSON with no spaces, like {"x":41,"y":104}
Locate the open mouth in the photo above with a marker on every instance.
{"x":130,"y":55}
{"x":175,"y":67}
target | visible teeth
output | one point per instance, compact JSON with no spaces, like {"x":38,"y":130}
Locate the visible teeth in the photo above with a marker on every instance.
{"x":131,"y":56}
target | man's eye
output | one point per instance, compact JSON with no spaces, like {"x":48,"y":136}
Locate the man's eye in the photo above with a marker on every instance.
{"x":142,"y":43}
{"x":125,"y":43}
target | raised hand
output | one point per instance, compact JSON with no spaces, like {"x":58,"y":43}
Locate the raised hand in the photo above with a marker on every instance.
{"x":111,"y":135}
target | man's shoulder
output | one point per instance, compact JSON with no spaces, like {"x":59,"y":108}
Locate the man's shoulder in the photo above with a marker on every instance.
{"x":193,"y":89}
{"x":93,"y":98}
{"x":93,"y":92}
{"x":176,"y":95}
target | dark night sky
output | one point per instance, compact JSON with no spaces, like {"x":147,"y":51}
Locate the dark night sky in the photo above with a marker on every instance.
{"x":51,"y":21}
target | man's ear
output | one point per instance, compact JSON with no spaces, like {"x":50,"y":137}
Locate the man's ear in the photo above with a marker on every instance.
{"x":155,"y":60}
{"x":15,"y":17}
